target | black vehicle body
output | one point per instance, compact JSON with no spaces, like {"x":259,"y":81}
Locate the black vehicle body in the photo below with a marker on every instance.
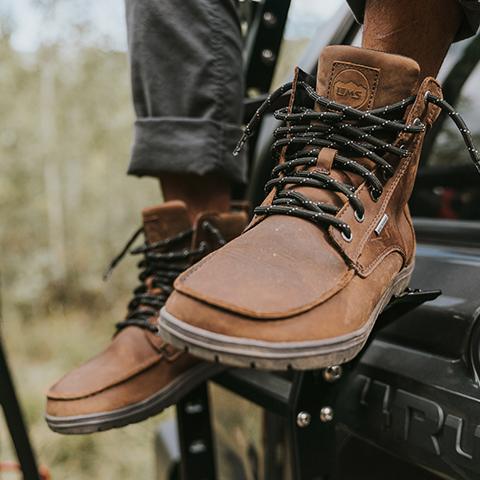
{"x":409,"y":406}
{"x":414,"y":398}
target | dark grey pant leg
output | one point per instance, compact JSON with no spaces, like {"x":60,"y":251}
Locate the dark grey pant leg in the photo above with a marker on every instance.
{"x":470,"y":24}
{"x":187,"y":83}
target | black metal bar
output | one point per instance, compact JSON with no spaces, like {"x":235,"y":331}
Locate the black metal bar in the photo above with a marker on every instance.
{"x":312,"y":422}
{"x":339,"y":30}
{"x":273,"y":441}
{"x":401,"y":305}
{"x":15,"y":422}
{"x":311,"y":440}
{"x":261,"y":55}
{"x":263,"y":44}
{"x":265,"y":389}
{"x":195,"y":436}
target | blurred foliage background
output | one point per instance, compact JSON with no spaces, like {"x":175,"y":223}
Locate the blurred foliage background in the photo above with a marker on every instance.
{"x":66,"y":207}
{"x":65,"y":116}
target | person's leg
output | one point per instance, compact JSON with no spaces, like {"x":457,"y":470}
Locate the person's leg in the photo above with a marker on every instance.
{"x":201,"y":193}
{"x":420,"y":30}
{"x":187,"y":92}
{"x":187,"y":87}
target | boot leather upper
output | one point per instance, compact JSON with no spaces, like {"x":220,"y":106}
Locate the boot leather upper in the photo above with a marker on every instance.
{"x":287,"y":279}
{"x":137,"y":363}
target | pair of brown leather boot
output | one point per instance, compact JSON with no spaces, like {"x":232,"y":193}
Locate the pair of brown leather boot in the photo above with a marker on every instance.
{"x":302,"y":287}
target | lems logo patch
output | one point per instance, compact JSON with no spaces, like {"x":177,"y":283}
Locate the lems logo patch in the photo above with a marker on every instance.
{"x":353,"y":84}
{"x":350,"y":87}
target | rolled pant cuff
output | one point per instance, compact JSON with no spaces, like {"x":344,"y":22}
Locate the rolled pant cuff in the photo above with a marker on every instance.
{"x":194,"y":146}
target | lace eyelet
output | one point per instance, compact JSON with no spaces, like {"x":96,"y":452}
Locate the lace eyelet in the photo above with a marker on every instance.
{"x":426,"y":95}
{"x":359,"y":218}
{"x":373,"y":197}
{"x":384,"y":174}
{"x":418,"y":123}
{"x":349,"y":238}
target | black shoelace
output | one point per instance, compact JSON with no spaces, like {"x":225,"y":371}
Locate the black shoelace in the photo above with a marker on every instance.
{"x":162,"y":262}
{"x":353,"y":133}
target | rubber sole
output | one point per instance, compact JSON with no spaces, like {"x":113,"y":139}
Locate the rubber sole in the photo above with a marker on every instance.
{"x":169,"y":395}
{"x":246,"y":352}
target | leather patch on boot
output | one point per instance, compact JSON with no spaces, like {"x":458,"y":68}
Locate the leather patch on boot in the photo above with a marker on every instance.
{"x":353,"y":85}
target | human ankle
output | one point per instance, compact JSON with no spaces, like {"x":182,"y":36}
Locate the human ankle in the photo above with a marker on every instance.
{"x":422,"y":31}
{"x":200,"y":193}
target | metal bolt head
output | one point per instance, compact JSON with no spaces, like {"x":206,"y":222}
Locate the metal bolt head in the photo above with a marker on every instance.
{"x":303,"y":419}
{"x":269,"y":19}
{"x":326,"y":414}
{"x":192,"y":408}
{"x":253,"y":92}
{"x":268,"y":56}
{"x":197,"y":446}
{"x":332,"y":374}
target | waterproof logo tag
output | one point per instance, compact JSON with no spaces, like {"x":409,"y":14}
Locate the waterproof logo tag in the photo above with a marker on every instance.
{"x":381,"y":224}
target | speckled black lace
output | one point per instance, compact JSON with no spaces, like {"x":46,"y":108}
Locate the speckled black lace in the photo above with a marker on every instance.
{"x":162,"y":262}
{"x":352,"y":133}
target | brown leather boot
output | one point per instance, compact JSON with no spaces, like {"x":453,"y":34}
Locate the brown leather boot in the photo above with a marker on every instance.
{"x":139,"y":374}
{"x":333,"y":241}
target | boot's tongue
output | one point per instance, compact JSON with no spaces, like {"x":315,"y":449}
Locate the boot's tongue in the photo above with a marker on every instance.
{"x":165,"y":221}
{"x":365,"y":79}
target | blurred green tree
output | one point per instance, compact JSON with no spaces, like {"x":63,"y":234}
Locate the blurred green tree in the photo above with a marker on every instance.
{"x":65,"y":202}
